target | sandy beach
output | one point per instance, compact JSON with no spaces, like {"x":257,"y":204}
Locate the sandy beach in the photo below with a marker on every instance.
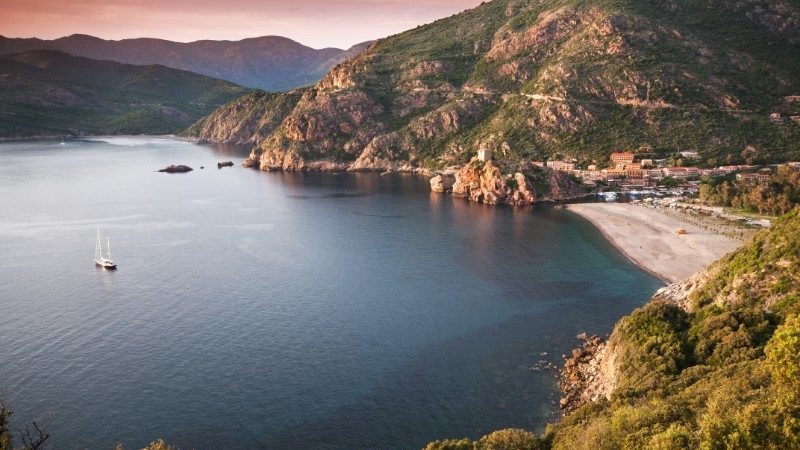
{"x":648,"y":237}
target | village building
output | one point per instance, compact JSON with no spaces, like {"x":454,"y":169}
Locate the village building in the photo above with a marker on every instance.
{"x":633,"y":183}
{"x":713,"y":172}
{"x":593,"y":175}
{"x":621,"y":159}
{"x":679,"y":173}
{"x":735,"y":168}
{"x":646,"y":163}
{"x":634,"y":171}
{"x":753,"y":177}
{"x":484,"y":154}
{"x":693,"y":172}
{"x":562,"y":166}
{"x":615,"y":172}
{"x":538,"y":163}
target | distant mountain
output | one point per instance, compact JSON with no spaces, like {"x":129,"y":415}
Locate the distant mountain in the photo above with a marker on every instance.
{"x":555,"y":79}
{"x":271,"y":63}
{"x":46,"y":92}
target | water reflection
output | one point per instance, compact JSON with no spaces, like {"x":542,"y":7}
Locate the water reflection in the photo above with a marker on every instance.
{"x":107,"y":278}
{"x":230,"y":150}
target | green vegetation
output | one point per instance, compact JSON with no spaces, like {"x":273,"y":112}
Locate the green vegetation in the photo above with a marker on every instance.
{"x":46,"y":92}
{"x":778,"y":196}
{"x":578,"y":78}
{"x":508,"y":439}
{"x":31,"y":436}
{"x":724,"y":374}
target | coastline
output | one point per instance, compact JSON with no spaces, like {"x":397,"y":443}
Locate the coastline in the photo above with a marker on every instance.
{"x":648,"y":238}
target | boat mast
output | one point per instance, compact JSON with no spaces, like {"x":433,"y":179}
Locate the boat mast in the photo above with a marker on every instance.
{"x":98,"y":251}
{"x":108,"y":245}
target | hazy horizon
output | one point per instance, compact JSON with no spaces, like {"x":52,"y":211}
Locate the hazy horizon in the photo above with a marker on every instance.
{"x":313,"y":23}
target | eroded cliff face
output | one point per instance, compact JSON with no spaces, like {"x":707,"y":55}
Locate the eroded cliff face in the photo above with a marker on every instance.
{"x":535,"y":79}
{"x":247,"y":119}
{"x":527,"y":184}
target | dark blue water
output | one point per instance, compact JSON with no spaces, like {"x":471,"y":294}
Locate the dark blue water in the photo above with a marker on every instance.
{"x":282,"y":310}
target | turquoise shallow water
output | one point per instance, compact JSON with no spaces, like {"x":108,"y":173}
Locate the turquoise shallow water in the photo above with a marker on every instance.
{"x":282,"y":310}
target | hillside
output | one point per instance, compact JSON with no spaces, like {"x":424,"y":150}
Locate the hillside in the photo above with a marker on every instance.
{"x":45,"y":92}
{"x":271,"y":63}
{"x":246,"y":119}
{"x":578,"y":78}
{"x":711,"y":363}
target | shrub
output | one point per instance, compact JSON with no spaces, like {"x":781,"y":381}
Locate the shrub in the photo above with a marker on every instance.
{"x":783,"y":353}
{"x":510,"y":439}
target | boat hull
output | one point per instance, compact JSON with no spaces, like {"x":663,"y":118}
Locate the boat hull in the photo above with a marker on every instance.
{"x":105,"y":265}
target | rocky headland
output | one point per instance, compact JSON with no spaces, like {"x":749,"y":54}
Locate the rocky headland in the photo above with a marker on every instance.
{"x":521,"y":184}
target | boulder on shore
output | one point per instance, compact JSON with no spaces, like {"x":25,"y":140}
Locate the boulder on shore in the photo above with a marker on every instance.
{"x":180,"y":168}
{"x":442,"y":183}
{"x":220,"y":165}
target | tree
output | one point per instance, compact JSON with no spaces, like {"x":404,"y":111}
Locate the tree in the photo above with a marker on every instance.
{"x":33,"y":435}
{"x":669,"y":182}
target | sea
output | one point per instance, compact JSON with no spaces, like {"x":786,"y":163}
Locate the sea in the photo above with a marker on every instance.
{"x":282,"y":310}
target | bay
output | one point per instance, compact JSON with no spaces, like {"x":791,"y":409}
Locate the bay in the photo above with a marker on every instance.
{"x":280,"y":310}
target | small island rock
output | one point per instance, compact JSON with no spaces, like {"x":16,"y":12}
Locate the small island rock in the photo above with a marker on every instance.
{"x":220,"y":165}
{"x":180,"y":168}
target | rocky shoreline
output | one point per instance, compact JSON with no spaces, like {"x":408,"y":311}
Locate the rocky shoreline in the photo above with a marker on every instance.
{"x":484,"y":182}
{"x":587,"y":374}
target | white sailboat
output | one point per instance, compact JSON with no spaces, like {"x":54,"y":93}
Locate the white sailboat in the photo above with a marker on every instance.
{"x":99,"y":259}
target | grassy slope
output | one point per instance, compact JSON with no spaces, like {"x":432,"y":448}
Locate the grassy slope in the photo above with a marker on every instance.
{"x":48,"y":92}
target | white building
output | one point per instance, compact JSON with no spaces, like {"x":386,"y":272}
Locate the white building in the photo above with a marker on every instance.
{"x":484,"y":154}
{"x":563,"y":166}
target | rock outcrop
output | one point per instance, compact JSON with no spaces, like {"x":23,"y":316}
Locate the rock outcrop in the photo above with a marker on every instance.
{"x":588,"y":373}
{"x":442,"y":182}
{"x":486,"y":182}
{"x":179,"y":168}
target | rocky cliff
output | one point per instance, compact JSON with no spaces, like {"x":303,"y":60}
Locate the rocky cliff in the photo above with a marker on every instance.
{"x":554,"y":78}
{"x":247,"y":119}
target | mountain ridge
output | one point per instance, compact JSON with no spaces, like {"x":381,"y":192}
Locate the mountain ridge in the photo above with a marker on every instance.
{"x":47,"y":92}
{"x":273,"y":63}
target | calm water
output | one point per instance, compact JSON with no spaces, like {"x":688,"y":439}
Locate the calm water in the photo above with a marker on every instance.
{"x":271,"y":310}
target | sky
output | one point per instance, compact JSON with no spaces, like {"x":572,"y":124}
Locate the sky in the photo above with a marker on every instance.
{"x":317,"y":23}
